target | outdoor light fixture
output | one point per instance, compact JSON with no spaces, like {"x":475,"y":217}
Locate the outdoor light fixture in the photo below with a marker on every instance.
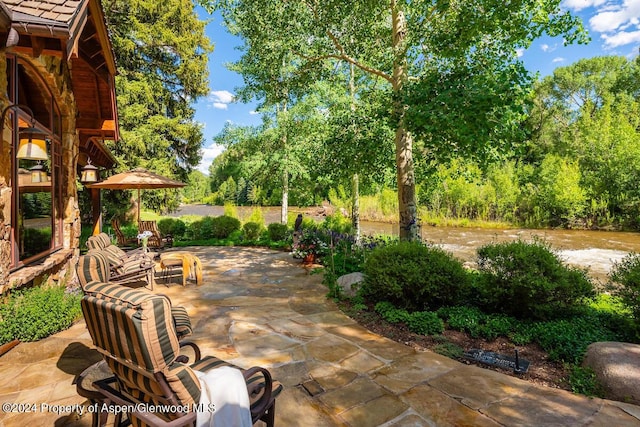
{"x":33,"y":145}
{"x":89,"y":173}
{"x":38,"y":174}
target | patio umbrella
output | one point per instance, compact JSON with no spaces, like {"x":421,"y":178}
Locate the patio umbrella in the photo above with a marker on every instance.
{"x":137,"y":179}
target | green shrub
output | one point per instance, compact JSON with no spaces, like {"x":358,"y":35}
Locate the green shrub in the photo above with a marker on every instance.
{"x":425,"y":323}
{"x":338,"y":223}
{"x":252,"y":230}
{"x":465,"y":319}
{"x":201,"y":229}
{"x":222,"y":226}
{"x":414,"y":276}
{"x":449,"y":349}
{"x":35,"y":313}
{"x":584,"y":381}
{"x":496,"y":326}
{"x":566,"y":340}
{"x":625,"y":281}
{"x":277,"y":232}
{"x":529,"y":281}
{"x":391,"y":313}
{"x":173,"y":227}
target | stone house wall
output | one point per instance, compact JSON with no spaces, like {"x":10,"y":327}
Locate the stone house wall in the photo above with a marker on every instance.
{"x":58,"y":266}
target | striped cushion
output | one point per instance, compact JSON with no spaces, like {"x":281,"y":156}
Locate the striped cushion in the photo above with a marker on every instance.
{"x":91,"y":268}
{"x":181,"y":321}
{"x":132,"y":325}
{"x":99,"y":241}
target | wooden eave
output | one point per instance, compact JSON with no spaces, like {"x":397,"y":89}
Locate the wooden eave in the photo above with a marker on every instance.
{"x":84,"y":43}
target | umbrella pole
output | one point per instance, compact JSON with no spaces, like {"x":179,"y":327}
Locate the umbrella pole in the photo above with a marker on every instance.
{"x":138,"y":208}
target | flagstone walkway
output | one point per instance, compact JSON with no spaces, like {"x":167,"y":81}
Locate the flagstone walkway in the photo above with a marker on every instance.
{"x":260,"y":307}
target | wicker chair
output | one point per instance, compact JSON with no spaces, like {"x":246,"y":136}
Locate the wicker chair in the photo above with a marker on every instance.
{"x":143,"y":354}
{"x":123,"y":241}
{"x":156,"y":241}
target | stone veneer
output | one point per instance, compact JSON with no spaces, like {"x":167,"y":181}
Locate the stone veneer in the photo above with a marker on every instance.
{"x":58,"y":266}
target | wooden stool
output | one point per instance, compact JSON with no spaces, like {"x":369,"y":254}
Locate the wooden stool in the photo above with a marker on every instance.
{"x":190,"y":264}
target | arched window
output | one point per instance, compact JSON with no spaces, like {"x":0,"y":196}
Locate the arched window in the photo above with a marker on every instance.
{"x":36,"y":213}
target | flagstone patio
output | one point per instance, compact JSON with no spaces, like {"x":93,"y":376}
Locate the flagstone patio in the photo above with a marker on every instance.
{"x":260,"y":307}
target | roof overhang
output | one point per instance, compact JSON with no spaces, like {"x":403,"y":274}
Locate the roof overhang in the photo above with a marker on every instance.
{"x":77,"y":33}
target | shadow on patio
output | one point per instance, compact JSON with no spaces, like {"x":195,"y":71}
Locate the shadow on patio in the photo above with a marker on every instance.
{"x":259,"y":307}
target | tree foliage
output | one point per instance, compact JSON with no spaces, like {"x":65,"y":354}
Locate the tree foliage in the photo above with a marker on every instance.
{"x":161,"y":53}
{"x":408,"y":49}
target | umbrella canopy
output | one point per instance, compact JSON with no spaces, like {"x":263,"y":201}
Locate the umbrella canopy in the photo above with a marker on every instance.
{"x":137,"y":179}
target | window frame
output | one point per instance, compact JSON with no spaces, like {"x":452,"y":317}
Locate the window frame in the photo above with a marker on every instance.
{"x":55,"y":157}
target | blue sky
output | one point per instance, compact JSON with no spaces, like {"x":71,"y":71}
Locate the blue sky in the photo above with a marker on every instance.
{"x":614,"y":27}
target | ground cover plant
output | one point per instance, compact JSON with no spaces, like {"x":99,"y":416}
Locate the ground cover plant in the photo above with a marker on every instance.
{"x":551,"y":331}
{"x":35,"y":313}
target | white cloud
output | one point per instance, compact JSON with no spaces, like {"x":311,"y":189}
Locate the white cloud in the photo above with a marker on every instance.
{"x":253,"y":112}
{"x":546,"y":48}
{"x":558,"y":59}
{"x":618,"y":23}
{"x":208,"y":154}
{"x":578,"y":5}
{"x":622,"y":38}
{"x":520,"y":52}
{"x":220,"y":99}
{"x":608,"y":21}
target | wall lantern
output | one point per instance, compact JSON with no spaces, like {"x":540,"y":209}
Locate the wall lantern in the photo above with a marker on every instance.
{"x":33,"y":145}
{"x":38,"y":174}
{"x":89,"y":173}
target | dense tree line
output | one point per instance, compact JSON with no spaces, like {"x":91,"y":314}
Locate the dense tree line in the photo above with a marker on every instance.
{"x":576,"y":164}
{"x":445,"y":74}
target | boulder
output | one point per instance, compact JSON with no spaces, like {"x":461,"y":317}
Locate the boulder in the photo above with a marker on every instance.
{"x":349,"y":283}
{"x":617,"y":368}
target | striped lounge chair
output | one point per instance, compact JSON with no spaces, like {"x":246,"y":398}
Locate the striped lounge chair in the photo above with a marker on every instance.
{"x":93,"y":268}
{"x":143,"y":354}
{"x":123,"y":264}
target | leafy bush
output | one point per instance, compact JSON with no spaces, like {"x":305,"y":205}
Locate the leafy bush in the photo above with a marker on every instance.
{"x":529,"y":281}
{"x":200,"y":229}
{"x":414,"y":276}
{"x":222,"y":226}
{"x":465,"y":319}
{"x":390,"y":313}
{"x":567,"y":339}
{"x":252,"y":230}
{"x":277,"y":231}
{"x":425,"y":323}
{"x":449,"y":349}
{"x":35,"y":313}
{"x":625,"y":281}
{"x":584,"y":381}
{"x":338,"y":223}
{"x":172,"y":226}
{"x":476,"y":323}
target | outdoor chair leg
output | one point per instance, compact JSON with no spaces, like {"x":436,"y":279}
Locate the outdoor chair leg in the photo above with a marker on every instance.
{"x":269,"y":415}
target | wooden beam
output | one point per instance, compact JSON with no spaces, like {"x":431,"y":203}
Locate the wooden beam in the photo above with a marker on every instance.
{"x":26,"y":50}
{"x":37,"y":44}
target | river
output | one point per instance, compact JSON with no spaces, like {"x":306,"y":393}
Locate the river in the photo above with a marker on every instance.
{"x":595,"y":250}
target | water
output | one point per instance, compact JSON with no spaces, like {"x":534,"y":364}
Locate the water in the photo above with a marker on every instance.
{"x":595,"y":250}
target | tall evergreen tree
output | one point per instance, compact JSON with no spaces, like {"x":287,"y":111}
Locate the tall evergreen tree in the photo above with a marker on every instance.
{"x":161,"y":52}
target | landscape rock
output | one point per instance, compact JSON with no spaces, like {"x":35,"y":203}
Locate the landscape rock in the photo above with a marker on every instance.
{"x":617,"y":368}
{"x":349,"y":283}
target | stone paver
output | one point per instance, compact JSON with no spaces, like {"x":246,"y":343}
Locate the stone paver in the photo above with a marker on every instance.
{"x":260,"y":307}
